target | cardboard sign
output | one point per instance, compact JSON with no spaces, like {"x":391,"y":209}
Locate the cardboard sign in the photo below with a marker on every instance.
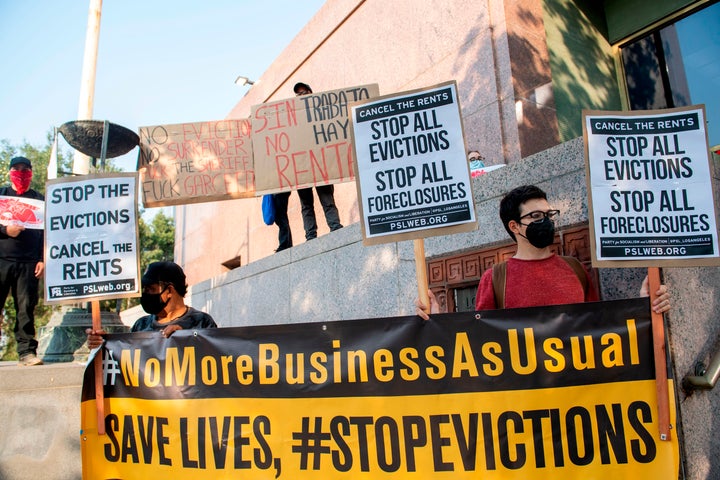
{"x":561,"y":392}
{"x":196,"y":162}
{"x":413,"y":174}
{"x":305,"y":141}
{"x":650,"y":188}
{"x":91,"y":238}
{"x":28,"y":212}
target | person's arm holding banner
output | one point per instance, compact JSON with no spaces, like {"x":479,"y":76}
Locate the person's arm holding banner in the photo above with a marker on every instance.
{"x":661,"y":304}
{"x":163,"y":292}
{"x":422,"y":310}
{"x":535,"y":275}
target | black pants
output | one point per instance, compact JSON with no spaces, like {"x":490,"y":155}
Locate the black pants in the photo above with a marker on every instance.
{"x":327,"y":200}
{"x":281,"y":220}
{"x":19,"y":279}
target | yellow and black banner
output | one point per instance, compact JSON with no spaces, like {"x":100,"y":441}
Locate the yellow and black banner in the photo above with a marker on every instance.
{"x":563,"y":392}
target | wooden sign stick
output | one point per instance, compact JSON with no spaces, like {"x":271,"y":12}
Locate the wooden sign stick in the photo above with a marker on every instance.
{"x":99,"y":392}
{"x":661,"y":374}
{"x":421,"y":272}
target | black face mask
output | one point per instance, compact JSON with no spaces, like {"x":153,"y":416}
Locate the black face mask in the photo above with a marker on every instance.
{"x":152,"y":302}
{"x":540,"y":234}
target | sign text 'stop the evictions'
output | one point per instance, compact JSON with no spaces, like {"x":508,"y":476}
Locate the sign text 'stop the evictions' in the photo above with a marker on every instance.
{"x":650,"y":188}
{"x":196,"y":162}
{"x":91,"y":239}
{"x":413,"y":176}
{"x":305,"y":141}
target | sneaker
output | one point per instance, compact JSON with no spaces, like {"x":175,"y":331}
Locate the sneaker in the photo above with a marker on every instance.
{"x":29,"y":360}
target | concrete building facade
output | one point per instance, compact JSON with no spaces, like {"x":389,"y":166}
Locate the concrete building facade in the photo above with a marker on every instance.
{"x":525,"y":70}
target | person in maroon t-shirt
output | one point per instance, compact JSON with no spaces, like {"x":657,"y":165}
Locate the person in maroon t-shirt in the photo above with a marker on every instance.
{"x":535,"y":276}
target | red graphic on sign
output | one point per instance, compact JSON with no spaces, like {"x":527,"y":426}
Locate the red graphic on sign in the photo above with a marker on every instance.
{"x":14,"y":211}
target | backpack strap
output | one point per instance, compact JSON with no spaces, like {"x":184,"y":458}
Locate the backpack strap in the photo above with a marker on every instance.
{"x":499,"y":274}
{"x":579,"y":270}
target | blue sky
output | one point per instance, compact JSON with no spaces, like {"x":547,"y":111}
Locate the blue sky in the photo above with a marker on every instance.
{"x":159,"y":61}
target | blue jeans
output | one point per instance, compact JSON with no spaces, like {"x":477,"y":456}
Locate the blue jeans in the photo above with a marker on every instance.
{"x":19,"y":279}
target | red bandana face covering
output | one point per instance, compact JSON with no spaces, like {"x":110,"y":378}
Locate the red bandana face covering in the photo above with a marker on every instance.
{"x":21,"y":180}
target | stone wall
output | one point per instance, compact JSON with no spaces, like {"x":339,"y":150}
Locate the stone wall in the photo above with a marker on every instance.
{"x":336,"y":278}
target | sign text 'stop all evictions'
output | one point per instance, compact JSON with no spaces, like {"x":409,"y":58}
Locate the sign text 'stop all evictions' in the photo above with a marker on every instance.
{"x":650,"y":188}
{"x":413,"y":175}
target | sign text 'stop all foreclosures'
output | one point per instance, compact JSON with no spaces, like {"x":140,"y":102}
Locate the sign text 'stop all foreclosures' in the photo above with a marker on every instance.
{"x":650,"y":186}
{"x":305,"y":141}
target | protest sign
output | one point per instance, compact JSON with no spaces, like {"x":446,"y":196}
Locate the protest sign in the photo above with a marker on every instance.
{"x":650,"y":188}
{"x":196,"y":162}
{"x":91,"y":238}
{"x":413,"y":177}
{"x":28,"y":212}
{"x":560,"y":392}
{"x":305,"y":141}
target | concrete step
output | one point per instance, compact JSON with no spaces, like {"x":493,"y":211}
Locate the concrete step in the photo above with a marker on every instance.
{"x":40,"y":434}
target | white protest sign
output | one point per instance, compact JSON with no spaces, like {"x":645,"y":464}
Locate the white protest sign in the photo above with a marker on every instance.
{"x":91,"y":238}
{"x":28,"y":212}
{"x":650,"y":188}
{"x":412,"y":171}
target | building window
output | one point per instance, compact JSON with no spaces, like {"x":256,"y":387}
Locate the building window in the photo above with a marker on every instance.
{"x":678,"y":65}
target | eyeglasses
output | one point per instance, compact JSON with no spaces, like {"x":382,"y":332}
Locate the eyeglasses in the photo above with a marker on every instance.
{"x":537,"y":215}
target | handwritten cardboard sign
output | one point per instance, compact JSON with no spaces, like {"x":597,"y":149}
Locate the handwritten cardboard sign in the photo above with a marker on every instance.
{"x":305,"y":141}
{"x":91,"y":238}
{"x":650,"y":188}
{"x":413,"y":175}
{"x":196,"y":162}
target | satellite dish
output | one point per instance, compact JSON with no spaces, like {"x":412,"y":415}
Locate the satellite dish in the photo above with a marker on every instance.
{"x":86,"y":136}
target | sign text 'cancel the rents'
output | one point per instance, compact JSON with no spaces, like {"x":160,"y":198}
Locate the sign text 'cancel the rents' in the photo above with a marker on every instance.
{"x":413,"y":175}
{"x":91,"y":239}
{"x":650,"y":188}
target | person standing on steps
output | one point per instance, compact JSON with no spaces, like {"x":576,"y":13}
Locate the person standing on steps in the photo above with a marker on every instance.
{"x":326,"y":194}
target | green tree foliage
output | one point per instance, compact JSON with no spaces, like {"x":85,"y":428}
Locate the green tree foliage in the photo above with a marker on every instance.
{"x":157,"y":242}
{"x":39,"y":156}
{"x":157,"y":239}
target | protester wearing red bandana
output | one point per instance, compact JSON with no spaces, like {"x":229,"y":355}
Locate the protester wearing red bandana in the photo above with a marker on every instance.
{"x":21,"y":264}
{"x":21,"y":179}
